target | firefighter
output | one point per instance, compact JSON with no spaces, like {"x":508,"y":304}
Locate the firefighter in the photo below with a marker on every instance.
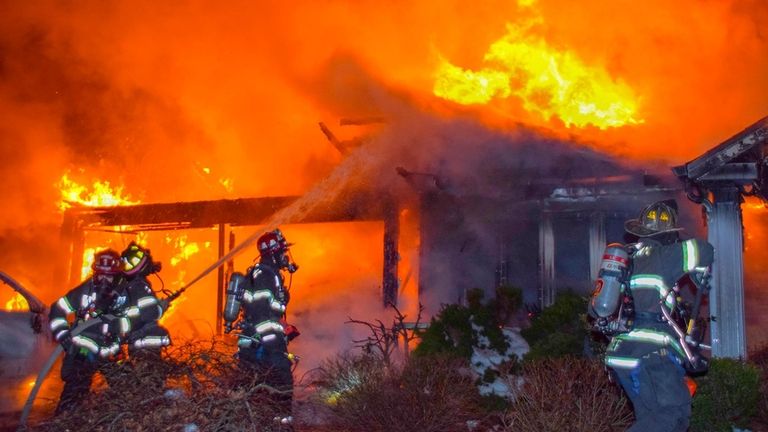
{"x":145,"y":337}
{"x":259,"y":299}
{"x":648,"y":357}
{"x":144,"y":333}
{"x":87,"y":352}
{"x":127,"y":310}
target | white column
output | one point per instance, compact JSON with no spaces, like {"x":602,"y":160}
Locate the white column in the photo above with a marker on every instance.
{"x":546,"y":260}
{"x":596,"y":243}
{"x":726,"y":300}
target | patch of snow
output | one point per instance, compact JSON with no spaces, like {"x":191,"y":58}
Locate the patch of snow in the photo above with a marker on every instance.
{"x":484,"y":357}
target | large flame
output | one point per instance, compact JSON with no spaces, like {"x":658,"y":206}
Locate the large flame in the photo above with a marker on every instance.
{"x":549,"y":81}
{"x":100,"y":194}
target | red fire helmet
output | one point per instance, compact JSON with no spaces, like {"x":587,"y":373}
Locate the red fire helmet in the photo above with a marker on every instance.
{"x":106,"y":262}
{"x":272,"y":242}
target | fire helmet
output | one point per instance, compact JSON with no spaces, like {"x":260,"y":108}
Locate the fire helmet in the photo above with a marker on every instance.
{"x":273,"y":246}
{"x":272,"y":243}
{"x":106,"y":263}
{"x":138,"y":260}
{"x":658,"y":218}
{"x":107,"y":271}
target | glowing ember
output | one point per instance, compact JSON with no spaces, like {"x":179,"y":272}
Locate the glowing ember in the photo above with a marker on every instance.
{"x":16,"y":303}
{"x":101,"y":194}
{"x":227,"y":184}
{"x":549,"y":82}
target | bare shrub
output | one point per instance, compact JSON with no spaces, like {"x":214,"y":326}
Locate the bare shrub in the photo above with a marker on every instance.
{"x":204,"y":388}
{"x":424,"y":394}
{"x":567,"y":394}
{"x":385,"y":341}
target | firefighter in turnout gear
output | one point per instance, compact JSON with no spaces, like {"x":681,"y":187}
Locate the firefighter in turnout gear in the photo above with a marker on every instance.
{"x":255,"y":306}
{"x":648,"y":352}
{"x":148,"y":335}
{"x":120,"y":309}
{"x":88,"y":351}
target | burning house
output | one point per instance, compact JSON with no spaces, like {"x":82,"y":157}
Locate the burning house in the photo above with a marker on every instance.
{"x":529,"y":212}
{"x":502,"y":144}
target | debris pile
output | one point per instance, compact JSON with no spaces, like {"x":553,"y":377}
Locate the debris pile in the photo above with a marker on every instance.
{"x":196,"y":385}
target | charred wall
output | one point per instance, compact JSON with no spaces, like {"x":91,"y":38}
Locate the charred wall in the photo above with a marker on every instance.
{"x":481,"y":242}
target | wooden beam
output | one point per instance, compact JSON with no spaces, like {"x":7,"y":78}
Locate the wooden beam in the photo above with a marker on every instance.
{"x":390,"y":285}
{"x":204,"y":214}
{"x":221,"y":286}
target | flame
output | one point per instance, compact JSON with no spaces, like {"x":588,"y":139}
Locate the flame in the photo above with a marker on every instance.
{"x":16,"y":303}
{"x":170,"y":311}
{"x":184,"y":249}
{"x":753,"y":214}
{"x":548,"y":81}
{"x":101,"y":194}
{"x":227,"y":183}
{"x":87,"y":261}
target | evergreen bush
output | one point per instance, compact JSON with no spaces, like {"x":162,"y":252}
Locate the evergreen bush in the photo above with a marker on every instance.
{"x":560,"y":329}
{"x":727,"y":396}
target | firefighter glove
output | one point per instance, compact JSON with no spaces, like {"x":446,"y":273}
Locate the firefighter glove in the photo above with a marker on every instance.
{"x":66,"y":341}
{"x":110,"y":326}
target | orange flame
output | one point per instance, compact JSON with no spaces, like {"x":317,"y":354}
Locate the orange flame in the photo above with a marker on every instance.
{"x":184,"y":249}
{"x":548,"y":81}
{"x":101,"y":194}
{"x":16,"y":303}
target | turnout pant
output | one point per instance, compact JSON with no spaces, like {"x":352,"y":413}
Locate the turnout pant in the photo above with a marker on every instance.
{"x":659,"y":395}
{"x":274,"y":369}
{"x":77,"y":373}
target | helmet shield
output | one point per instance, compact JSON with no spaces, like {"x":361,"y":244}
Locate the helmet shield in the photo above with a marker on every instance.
{"x":658,"y":218}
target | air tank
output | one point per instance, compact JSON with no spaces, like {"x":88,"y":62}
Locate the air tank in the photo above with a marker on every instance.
{"x":235,"y":290}
{"x":610,"y":280}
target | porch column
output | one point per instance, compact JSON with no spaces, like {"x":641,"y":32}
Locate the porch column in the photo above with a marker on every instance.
{"x":596,"y":243}
{"x":726,"y":300}
{"x":546,"y":260}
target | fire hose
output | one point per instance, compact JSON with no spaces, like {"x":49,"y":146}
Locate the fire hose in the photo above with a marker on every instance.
{"x":84,"y":325}
{"x":229,"y":255}
{"x":47,"y":368}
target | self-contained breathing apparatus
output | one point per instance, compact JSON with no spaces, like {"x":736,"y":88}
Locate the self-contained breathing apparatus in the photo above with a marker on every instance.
{"x":273,"y":246}
{"x":235,"y":291}
{"x":612,"y":306}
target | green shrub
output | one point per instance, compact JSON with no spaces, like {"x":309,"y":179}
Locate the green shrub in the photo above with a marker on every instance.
{"x":560,"y":329}
{"x":727,"y":396}
{"x":450,"y":331}
{"x":461,"y":331}
{"x":758,"y":356}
